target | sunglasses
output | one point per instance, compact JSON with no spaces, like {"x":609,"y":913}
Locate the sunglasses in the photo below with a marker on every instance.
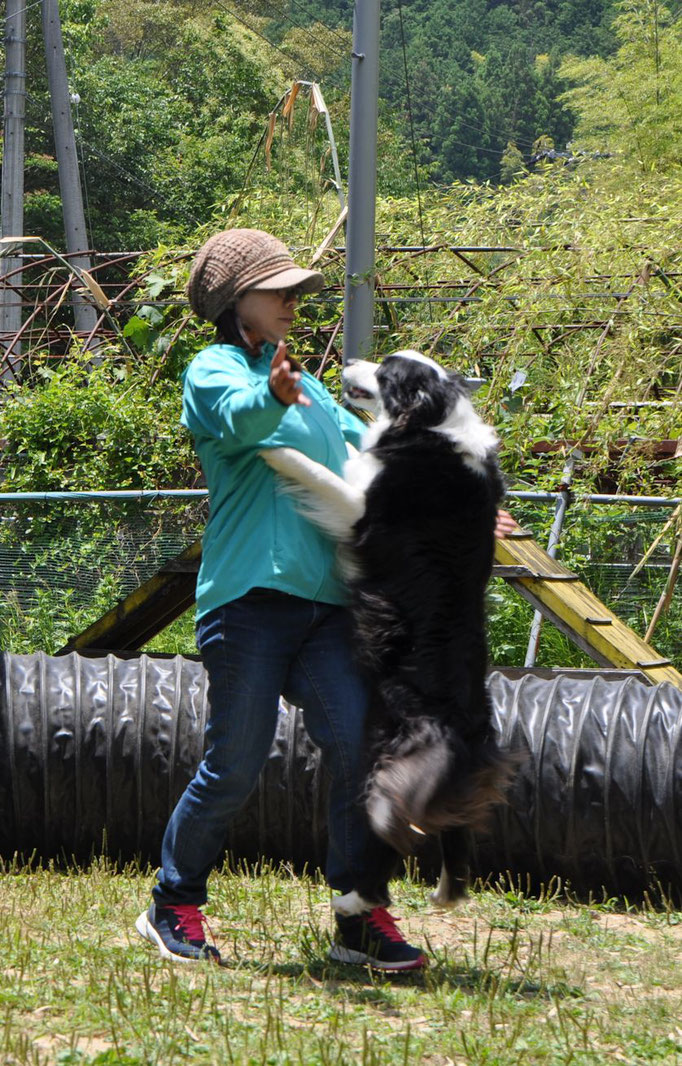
{"x":294,"y":293}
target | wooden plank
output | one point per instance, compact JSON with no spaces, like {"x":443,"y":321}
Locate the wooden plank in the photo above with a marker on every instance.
{"x":145,"y":611}
{"x":578,"y":613}
{"x":545,"y":583}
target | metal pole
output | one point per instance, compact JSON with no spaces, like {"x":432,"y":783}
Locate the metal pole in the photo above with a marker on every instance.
{"x":85,"y":315}
{"x":13,"y":169}
{"x":362,"y":172}
{"x":552,"y":548}
{"x":599,"y":498}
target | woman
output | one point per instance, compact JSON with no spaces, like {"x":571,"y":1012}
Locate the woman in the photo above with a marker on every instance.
{"x":271,"y":615}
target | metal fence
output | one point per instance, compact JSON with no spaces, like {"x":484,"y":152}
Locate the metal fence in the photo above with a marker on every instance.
{"x":66,"y":558}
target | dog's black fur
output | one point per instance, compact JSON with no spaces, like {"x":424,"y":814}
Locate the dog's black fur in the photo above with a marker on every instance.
{"x":420,"y":557}
{"x":424,"y":548}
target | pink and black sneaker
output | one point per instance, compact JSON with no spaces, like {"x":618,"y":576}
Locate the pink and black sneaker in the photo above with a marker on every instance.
{"x":371,"y":938}
{"x":178,"y":932}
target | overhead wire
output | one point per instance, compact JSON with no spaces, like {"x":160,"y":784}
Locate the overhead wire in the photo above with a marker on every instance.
{"x":476,"y":147}
{"x":493,"y":129}
{"x":80,"y":157}
{"x":302,"y":7}
{"x":412,"y":134}
{"x":155,"y":192}
{"x":84,"y":177}
{"x":22,"y":10}
{"x":289,"y":55}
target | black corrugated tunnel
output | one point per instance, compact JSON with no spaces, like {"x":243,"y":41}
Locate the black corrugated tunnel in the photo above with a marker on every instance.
{"x":94,"y":753}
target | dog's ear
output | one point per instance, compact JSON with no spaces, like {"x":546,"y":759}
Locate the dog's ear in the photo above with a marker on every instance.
{"x":425,"y":407}
{"x":408,"y":403}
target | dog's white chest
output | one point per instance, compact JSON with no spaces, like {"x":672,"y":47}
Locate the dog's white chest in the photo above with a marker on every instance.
{"x":360,"y":470}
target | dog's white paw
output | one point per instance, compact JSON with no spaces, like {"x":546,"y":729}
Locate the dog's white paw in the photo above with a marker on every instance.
{"x":350,"y":904}
{"x":284,"y":460}
{"x":442,"y":901}
{"x":448,"y":892}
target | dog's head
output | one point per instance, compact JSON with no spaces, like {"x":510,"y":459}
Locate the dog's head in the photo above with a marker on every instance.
{"x":407,"y":388}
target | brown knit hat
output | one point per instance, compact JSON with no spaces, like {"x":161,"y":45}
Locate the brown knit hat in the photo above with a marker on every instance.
{"x":239,"y":259}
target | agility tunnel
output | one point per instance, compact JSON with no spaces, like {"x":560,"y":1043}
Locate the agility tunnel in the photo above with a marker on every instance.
{"x":94,"y":753}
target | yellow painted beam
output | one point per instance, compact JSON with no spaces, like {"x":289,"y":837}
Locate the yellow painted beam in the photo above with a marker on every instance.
{"x":577,"y":612}
{"x":561,"y":597}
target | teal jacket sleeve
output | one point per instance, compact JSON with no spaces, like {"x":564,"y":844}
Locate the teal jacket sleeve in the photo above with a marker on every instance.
{"x":351,"y":426}
{"x":222,"y":400}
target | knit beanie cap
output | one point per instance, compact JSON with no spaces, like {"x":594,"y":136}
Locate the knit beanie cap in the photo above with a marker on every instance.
{"x":235,"y":260}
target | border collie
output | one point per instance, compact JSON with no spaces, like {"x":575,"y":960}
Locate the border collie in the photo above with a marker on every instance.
{"x":414,"y":516}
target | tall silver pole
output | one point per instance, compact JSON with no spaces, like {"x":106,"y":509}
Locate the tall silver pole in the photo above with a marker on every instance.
{"x":13,"y":169}
{"x":85,"y":315}
{"x":362,"y":172}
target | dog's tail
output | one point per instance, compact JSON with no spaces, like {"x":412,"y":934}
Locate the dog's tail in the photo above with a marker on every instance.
{"x":433,"y":780}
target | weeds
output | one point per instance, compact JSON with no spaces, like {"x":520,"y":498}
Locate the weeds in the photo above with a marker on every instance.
{"x":513,"y":977}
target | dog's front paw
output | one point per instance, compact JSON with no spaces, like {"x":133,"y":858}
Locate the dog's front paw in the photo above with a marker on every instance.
{"x":282,"y":460}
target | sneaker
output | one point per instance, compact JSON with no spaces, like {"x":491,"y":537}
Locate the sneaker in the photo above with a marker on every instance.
{"x":178,"y":933}
{"x":372,"y":938}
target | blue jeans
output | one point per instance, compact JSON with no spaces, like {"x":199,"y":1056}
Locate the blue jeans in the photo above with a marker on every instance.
{"x":254,"y":649}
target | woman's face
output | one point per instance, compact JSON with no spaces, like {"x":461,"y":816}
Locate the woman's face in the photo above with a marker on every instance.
{"x":267,"y":314}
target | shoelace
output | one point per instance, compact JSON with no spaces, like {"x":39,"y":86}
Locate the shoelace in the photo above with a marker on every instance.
{"x":385,"y":923}
{"x":191,"y":921}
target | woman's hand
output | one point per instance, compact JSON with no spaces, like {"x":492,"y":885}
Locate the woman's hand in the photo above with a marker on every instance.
{"x":504,"y":525}
{"x":285,"y":383}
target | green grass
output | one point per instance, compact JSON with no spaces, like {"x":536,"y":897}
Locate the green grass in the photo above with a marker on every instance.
{"x":512,"y":979}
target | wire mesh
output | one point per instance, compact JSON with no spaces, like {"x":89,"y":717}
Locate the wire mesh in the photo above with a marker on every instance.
{"x":65,"y":563}
{"x":602,"y":545}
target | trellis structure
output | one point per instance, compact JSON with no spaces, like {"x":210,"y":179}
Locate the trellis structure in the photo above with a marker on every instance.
{"x":117,"y":285}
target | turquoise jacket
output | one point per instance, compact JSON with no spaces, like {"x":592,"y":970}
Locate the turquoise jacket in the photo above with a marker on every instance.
{"x":254,"y":537}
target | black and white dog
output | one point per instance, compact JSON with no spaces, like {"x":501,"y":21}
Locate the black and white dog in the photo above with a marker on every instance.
{"x":414,"y":515}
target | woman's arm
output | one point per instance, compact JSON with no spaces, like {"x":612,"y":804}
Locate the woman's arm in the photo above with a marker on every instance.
{"x":224,"y":399}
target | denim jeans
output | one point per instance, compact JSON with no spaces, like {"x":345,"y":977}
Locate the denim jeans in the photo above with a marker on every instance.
{"x":254,"y":649}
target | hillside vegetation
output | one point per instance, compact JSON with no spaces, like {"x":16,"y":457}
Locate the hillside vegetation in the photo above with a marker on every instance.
{"x":173,"y":96}
{"x":575,"y":305}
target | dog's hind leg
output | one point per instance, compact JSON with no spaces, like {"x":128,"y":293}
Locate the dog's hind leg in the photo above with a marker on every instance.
{"x":324,"y":497}
{"x":454,"y":875}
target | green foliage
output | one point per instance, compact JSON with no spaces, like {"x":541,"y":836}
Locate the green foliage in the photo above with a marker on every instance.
{"x":602,"y":545}
{"x":484,"y":74}
{"x":630,"y":102}
{"x":174,"y":95}
{"x":170,"y":106}
{"x":94,"y":427}
{"x":512,"y":165}
{"x":575,"y":293}
{"x":575,"y":305}
{"x":321,"y":49}
{"x":50,"y":619}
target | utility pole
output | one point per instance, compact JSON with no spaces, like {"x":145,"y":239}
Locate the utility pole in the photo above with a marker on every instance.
{"x":85,"y":315}
{"x":13,"y":169}
{"x":362,"y":174}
